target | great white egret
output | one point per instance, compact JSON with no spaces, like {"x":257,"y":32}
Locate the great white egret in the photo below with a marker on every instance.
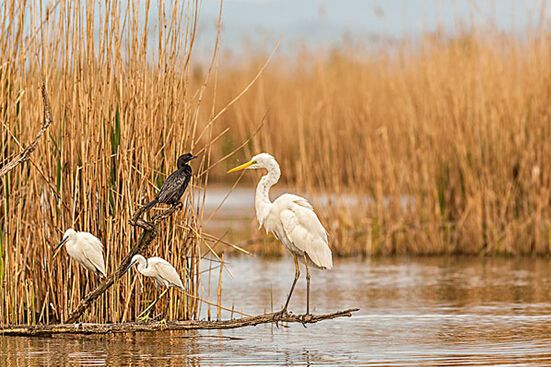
{"x":175,"y":185}
{"x":293,"y":222}
{"x":86,"y":249}
{"x":162,"y":272}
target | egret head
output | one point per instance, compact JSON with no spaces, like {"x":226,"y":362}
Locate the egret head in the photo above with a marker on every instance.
{"x":184,"y":159}
{"x":69,"y":234}
{"x":262,"y":160}
{"x":137,"y":259}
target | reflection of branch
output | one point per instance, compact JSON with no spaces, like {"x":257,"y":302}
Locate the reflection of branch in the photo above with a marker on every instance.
{"x":25,"y":154}
{"x":147,"y":236}
{"x":46,"y":330}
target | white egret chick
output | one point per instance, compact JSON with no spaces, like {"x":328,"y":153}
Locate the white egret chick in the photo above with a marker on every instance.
{"x":292,"y":220}
{"x":86,"y":249}
{"x":162,"y":272}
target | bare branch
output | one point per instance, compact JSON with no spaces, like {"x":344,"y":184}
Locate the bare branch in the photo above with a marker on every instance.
{"x":132,"y":327}
{"x":25,"y":154}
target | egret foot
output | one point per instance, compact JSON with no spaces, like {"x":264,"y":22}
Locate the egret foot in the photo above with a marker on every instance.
{"x":279,"y":315}
{"x":163,"y":322}
{"x":144,"y":317}
{"x":158,"y":317}
{"x":305,"y":318}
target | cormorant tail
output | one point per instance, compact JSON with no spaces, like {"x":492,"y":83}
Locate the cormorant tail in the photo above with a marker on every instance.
{"x":149,"y":205}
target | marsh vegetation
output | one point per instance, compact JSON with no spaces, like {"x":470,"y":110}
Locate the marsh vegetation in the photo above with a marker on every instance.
{"x":436,"y":147}
{"x":439,"y":146}
{"x":122,"y":117}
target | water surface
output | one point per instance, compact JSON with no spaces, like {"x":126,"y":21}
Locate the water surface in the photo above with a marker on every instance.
{"x":437,"y":311}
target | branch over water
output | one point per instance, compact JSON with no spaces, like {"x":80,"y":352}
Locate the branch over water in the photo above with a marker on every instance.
{"x":132,"y":327}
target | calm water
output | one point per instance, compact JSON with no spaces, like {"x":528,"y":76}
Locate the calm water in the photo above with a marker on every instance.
{"x":439,"y":311}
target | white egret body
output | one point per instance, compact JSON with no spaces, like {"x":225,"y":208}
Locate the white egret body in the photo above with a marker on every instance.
{"x":86,"y":249}
{"x":292,"y":221}
{"x":160,"y":270}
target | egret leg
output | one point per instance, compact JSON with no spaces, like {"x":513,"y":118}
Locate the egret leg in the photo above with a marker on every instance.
{"x":297,"y":275}
{"x":278,"y":315}
{"x":143,"y":315}
{"x":307,"y":285}
{"x":87,"y":284}
{"x":166,"y":309}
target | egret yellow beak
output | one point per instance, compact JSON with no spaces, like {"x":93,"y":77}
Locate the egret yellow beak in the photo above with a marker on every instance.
{"x":241,"y":167}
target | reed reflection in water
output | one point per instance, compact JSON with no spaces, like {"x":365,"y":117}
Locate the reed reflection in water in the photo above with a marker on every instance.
{"x":414,"y":311}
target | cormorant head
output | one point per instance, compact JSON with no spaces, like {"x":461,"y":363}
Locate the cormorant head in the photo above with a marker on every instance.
{"x":184,"y":159}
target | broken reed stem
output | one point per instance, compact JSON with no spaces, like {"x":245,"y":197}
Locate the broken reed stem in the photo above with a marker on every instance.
{"x":132,"y":327}
{"x":25,"y":154}
{"x":219,"y":292}
{"x":147,"y":236}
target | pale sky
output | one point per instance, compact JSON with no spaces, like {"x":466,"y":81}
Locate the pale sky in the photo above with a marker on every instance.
{"x":320,"y":25}
{"x":324,"y":23}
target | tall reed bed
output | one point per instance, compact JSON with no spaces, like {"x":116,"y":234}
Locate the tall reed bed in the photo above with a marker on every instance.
{"x":118,"y":81}
{"x":437,"y":147}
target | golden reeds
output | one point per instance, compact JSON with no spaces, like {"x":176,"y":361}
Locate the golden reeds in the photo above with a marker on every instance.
{"x":118,"y":82}
{"x":440,"y":147}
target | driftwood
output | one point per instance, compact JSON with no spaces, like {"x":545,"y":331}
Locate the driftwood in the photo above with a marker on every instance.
{"x":132,"y":327}
{"x":149,"y":233}
{"x":25,"y":154}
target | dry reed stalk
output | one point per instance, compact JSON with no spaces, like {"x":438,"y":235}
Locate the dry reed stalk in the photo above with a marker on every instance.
{"x":436,"y":148}
{"x":125,"y":109}
{"x":219,"y":291}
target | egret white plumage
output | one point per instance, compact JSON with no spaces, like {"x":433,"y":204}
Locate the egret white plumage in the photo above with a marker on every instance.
{"x":86,"y":249}
{"x":164,"y":274}
{"x":292,"y":220}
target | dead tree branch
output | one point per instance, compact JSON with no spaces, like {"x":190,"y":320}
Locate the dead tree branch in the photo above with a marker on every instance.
{"x":131,"y":327}
{"x":25,"y":154}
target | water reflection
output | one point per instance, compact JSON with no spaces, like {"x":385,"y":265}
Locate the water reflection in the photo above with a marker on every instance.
{"x":436,"y":311}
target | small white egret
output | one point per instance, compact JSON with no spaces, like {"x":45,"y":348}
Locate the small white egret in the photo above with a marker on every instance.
{"x":86,"y":249}
{"x":162,"y":272}
{"x":293,"y":222}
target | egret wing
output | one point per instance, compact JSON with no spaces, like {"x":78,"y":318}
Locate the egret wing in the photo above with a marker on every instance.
{"x":166,"y":271}
{"x":305,"y":231}
{"x":93,"y":240}
{"x":92,"y":250}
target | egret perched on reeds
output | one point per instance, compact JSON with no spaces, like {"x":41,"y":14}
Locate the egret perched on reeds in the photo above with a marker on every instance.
{"x":162,"y":272}
{"x":175,"y":185}
{"x":86,"y":249}
{"x":293,"y":222}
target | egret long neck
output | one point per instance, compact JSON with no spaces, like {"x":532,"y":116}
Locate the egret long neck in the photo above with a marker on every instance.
{"x":142,"y":264}
{"x":262,"y":200}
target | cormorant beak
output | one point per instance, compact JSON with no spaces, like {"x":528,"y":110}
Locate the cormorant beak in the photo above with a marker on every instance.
{"x":58,"y":246}
{"x":241,"y":167}
{"x":193,"y":157}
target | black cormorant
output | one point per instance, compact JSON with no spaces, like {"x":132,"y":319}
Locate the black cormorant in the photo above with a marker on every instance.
{"x":175,"y":185}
